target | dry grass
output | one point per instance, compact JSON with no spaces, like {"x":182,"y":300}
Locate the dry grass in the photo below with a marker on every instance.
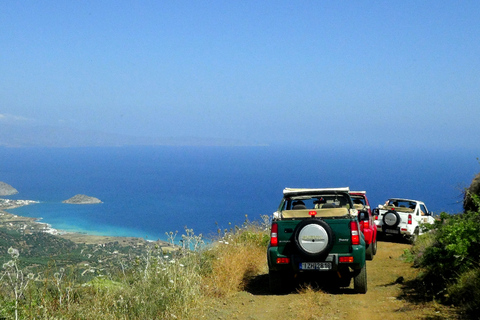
{"x":232,"y":266}
{"x":312,"y":304}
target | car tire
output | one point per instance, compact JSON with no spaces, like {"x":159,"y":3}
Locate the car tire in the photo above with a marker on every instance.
{"x":360,"y":280}
{"x":314,"y":238}
{"x":375,"y":246}
{"x":414,"y":236}
{"x":391,"y":219}
{"x":369,"y":251}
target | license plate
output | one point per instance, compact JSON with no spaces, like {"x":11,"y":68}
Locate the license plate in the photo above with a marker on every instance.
{"x":394,"y":231}
{"x":315,"y":266}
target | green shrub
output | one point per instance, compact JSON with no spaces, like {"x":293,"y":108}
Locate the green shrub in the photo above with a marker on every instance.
{"x":450,"y":257}
{"x":466,"y":292}
{"x":455,"y":247}
{"x":470,"y":198}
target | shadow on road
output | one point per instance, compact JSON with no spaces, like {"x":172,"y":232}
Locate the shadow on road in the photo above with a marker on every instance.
{"x":392,"y":238}
{"x":259,"y":286}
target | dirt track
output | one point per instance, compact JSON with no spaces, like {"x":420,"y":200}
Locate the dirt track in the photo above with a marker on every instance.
{"x":388,"y":297}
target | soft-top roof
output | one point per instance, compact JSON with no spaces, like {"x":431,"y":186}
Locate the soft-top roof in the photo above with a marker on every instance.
{"x":359,"y":192}
{"x":403,"y":199}
{"x":305,"y":191}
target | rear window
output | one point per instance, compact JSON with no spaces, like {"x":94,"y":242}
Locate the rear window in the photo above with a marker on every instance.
{"x":317,"y":202}
{"x":401,"y":204}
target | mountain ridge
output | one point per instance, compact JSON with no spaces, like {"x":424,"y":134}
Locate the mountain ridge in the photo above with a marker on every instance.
{"x":52,"y":136}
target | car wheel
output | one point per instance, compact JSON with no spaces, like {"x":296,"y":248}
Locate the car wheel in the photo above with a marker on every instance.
{"x":369,"y":252}
{"x":375,"y":246}
{"x":280,"y":282}
{"x":414,"y":236}
{"x":314,"y":237}
{"x":360,"y":280}
{"x":391,"y":219}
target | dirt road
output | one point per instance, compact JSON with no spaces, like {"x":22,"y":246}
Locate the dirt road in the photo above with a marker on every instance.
{"x":387,"y":297}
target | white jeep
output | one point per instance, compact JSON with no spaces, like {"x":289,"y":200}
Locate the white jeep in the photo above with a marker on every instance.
{"x":402,"y":217}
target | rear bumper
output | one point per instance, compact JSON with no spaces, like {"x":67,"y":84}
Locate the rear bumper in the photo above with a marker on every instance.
{"x":408,"y":230}
{"x":333,"y":259}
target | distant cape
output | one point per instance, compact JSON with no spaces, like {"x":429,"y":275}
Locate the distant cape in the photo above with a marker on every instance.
{"x":52,"y":136}
{"x":6,"y":189}
{"x":82,"y":199}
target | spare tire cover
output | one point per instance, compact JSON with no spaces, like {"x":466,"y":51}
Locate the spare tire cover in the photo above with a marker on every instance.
{"x":391,"y":219}
{"x":314,"y":237}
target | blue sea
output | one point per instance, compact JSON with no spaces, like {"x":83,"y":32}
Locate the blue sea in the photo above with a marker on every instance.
{"x":148,"y":191}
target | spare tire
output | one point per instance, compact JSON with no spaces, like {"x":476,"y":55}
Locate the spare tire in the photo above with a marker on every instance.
{"x":314,"y":237}
{"x":391,"y":219}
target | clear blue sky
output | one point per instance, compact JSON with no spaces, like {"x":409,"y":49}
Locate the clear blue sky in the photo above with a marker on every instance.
{"x":309,"y":72}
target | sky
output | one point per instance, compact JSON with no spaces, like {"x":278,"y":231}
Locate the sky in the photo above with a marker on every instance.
{"x":371,"y":73}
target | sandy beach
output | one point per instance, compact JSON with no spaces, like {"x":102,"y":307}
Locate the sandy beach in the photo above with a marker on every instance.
{"x":29,"y":225}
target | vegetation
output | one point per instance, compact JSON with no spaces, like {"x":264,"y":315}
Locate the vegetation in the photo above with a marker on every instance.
{"x":46,"y":277}
{"x":72,"y":281}
{"x":450,"y":257}
{"x":469,"y":203}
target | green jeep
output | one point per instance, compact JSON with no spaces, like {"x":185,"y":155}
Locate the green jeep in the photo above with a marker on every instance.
{"x":316,"y":231}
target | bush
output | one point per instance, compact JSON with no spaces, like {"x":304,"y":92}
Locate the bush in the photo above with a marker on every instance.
{"x":450,"y":258}
{"x":466,"y":292}
{"x":455,"y":245}
{"x":469,"y":201}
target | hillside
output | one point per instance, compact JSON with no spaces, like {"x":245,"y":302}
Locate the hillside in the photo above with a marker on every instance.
{"x":39,"y":245}
{"x":227,"y":281}
{"x":6,"y":189}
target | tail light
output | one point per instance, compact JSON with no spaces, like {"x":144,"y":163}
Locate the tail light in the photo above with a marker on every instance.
{"x":348,"y":259}
{"x":409,"y":219}
{"x":283,"y":260}
{"x":366,"y":224}
{"x":354,"y":233}
{"x":274,"y":235}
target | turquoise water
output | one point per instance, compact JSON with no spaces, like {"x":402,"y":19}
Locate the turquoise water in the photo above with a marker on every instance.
{"x":147,"y":191}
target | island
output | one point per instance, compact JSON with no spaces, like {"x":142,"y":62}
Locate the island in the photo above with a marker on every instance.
{"x":82,"y":199}
{"x":6,"y":189}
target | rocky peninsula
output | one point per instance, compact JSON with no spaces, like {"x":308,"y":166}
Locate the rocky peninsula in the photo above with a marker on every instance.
{"x":82,"y":199}
{"x":12,"y":204}
{"x":6,"y":189}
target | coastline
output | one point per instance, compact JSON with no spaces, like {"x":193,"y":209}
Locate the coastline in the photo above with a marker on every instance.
{"x":30,"y":225}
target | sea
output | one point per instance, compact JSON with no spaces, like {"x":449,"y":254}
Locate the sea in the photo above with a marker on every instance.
{"x":148,"y":191}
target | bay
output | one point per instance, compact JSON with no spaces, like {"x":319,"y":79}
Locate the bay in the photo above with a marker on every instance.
{"x":148,"y":191}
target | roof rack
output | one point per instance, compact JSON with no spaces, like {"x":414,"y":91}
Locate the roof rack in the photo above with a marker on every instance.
{"x":299,"y":191}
